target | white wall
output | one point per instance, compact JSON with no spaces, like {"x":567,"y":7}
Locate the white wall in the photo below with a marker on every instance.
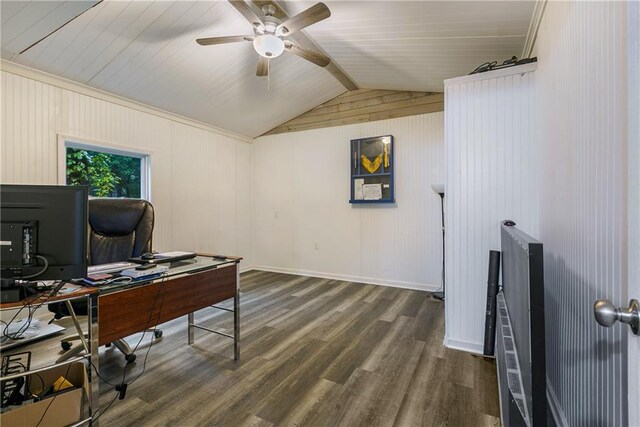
{"x":200,"y":178}
{"x":491,"y":164}
{"x":304,"y":178}
{"x":582,"y":100}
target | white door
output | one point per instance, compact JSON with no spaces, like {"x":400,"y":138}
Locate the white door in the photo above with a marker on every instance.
{"x":632,"y":285}
{"x":633,"y":218}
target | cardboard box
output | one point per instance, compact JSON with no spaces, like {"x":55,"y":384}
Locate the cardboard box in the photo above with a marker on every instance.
{"x":61,"y":409}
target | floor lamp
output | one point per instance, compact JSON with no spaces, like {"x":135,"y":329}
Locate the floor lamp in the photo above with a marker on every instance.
{"x":439,"y":190}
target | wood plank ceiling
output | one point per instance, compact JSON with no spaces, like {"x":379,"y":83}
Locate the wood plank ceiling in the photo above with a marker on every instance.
{"x":145,"y":51}
{"x":364,"y":105}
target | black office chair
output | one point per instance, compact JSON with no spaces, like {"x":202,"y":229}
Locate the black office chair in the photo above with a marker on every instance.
{"x":118,"y":230}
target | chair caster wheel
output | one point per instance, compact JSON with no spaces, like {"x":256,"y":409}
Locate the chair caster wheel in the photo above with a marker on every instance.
{"x":157,"y":333}
{"x":130,"y":358}
{"x":66,"y":345}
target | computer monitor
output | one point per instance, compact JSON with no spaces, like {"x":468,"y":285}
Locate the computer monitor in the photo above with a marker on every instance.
{"x":43,"y":226}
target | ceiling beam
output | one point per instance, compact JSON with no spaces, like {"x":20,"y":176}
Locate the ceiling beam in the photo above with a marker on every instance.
{"x":305,"y":41}
{"x":364,"y":105}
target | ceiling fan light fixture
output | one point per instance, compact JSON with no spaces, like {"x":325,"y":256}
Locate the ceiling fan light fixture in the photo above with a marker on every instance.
{"x":270,"y":28}
{"x":268,"y":45}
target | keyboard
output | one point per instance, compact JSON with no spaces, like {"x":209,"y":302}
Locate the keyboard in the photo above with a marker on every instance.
{"x":164,"y":257}
{"x":110,"y":268}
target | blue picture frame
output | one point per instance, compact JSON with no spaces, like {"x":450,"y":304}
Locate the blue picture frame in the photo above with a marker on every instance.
{"x":372,"y":170}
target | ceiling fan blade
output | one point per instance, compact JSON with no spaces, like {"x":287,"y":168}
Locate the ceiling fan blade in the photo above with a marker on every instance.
{"x":310,"y":55}
{"x":246,"y":11}
{"x":315,"y":13}
{"x":225,"y":39}
{"x":263,"y":67}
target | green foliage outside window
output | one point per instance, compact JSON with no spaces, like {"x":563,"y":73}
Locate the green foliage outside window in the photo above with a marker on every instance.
{"x":107,"y":175}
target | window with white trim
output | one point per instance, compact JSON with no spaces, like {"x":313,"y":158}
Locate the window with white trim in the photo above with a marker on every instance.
{"x":108,"y":172}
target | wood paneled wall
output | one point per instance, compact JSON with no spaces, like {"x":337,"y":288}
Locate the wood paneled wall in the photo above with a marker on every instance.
{"x":200,"y":179}
{"x":364,"y":105}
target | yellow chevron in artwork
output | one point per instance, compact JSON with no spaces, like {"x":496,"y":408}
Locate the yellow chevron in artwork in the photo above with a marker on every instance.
{"x":369,"y":165}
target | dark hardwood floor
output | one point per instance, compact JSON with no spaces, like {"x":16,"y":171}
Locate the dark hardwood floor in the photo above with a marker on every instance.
{"x":314,"y":352}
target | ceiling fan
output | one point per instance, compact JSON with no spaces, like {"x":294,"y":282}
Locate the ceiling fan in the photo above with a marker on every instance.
{"x":270,"y":34}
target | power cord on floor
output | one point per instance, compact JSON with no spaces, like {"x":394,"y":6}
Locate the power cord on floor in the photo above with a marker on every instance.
{"x":31,"y":308}
{"x":105,"y":409}
{"x":121,"y":388}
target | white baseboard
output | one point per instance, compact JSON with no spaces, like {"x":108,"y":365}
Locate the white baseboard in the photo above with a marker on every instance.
{"x":554,"y":406}
{"x":245,"y":268}
{"x":468,"y":346}
{"x":357,"y":279}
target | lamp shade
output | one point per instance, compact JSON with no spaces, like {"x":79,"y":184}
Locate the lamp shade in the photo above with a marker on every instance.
{"x":438,"y":188}
{"x":268,"y":45}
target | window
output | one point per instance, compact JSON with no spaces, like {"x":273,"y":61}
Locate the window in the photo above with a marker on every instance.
{"x":107,"y":171}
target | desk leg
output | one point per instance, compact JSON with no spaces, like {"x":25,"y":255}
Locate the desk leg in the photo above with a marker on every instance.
{"x":94,"y":383}
{"x":236,"y":317}
{"x":190,"y":328}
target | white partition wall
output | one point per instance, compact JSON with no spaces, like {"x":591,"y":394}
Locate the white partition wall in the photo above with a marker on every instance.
{"x":491,"y":164}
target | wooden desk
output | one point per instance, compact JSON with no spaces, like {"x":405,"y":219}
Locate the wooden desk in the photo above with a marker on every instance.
{"x":123,"y":312}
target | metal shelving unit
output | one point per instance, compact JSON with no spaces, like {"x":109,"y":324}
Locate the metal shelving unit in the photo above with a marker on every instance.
{"x":90,"y":343}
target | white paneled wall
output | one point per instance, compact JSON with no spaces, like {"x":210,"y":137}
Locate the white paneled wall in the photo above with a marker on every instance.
{"x":200,"y":179}
{"x":491,"y":165}
{"x":582,"y":116}
{"x":301,"y":197}
{"x":30,"y":115}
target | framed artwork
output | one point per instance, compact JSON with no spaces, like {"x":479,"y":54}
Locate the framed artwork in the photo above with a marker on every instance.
{"x":372,"y":170}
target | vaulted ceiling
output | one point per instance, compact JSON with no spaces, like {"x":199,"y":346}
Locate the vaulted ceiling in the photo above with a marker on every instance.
{"x":146,"y":51}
